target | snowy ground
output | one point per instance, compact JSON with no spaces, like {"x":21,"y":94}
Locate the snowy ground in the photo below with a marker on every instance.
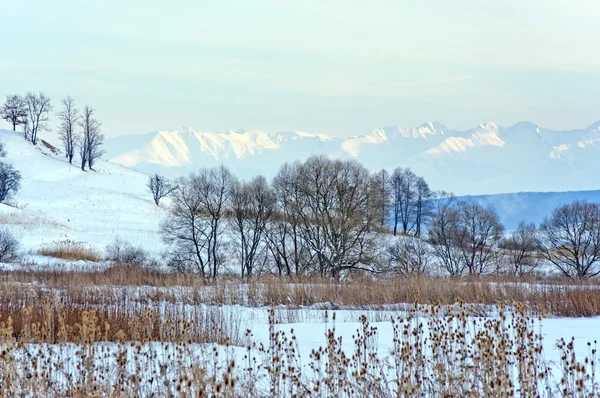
{"x":58,"y":201}
{"x":310,"y":327}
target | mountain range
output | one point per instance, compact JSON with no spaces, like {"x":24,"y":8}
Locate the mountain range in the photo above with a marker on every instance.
{"x":486,"y":159}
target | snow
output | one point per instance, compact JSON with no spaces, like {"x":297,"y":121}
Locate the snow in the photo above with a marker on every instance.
{"x":58,"y":201}
{"x":310,"y":335}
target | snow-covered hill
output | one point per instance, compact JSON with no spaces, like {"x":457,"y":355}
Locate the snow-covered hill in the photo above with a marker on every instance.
{"x":485,"y":159}
{"x":58,"y":201}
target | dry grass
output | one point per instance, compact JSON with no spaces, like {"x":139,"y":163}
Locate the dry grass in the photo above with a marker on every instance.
{"x":50,"y":320}
{"x":70,"y":250}
{"x":556,"y":296}
{"x":460,"y":356}
{"x":29,"y":220}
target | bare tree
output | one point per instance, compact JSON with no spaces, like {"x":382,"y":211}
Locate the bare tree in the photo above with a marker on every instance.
{"x":570,"y":237}
{"x":160,"y":187}
{"x":522,"y":249}
{"x":69,"y":119}
{"x":38,"y":109}
{"x":443,"y":234}
{"x":331,"y":206}
{"x":285,"y":245}
{"x":409,"y":256}
{"x":478,"y":233}
{"x":464,"y":235}
{"x":403,"y":183}
{"x":82,"y":145}
{"x":14,"y":110}
{"x":194,"y":226}
{"x":422,"y":204}
{"x":10,"y":181}
{"x":9,"y":246}
{"x":185,"y":230}
{"x":290,"y":254}
{"x":382,"y":190}
{"x":252,"y":206}
{"x":91,"y":139}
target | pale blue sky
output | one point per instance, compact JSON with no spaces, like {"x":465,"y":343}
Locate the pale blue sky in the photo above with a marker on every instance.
{"x":329,"y":66}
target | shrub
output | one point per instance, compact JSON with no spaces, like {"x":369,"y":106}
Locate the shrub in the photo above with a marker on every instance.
{"x":70,"y":250}
{"x":9,"y":246}
{"x":123,"y":252}
{"x":10,"y":181}
{"x":409,"y":256}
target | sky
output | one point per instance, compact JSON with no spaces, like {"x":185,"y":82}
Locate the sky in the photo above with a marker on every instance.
{"x":333,"y":67}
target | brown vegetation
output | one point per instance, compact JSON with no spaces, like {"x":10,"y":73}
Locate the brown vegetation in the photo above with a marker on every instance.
{"x":460,"y":356}
{"x":70,"y":250}
{"x":559,"y":296}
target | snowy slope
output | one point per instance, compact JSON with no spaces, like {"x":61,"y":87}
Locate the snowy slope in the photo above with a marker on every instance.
{"x":58,"y":201}
{"x":485,"y":159}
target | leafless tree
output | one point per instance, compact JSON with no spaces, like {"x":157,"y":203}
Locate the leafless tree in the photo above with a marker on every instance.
{"x":522,"y":249}
{"x":69,"y":119}
{"x":194,"y":226}
{"x":10,"y":181}
{"x":423,"y":205}
{"x":409,"y":256}
{"x":331,"y":209}
{"x":290,"y":254}
{"x":9,"y":246}
{"x":91,"y":139}
{"x":185,"y":230}
{"x":442,"y":234}
{"x":160,"y":187}
{"x":570,"y":237}
{"x":14,"y":110}
{"x":82,"y":145}
{"x":403,"y":183}
{"x":381,"y":187}
{"x":252,"y":206}
{"x":478,"y":233}
{"x":38,"y":109}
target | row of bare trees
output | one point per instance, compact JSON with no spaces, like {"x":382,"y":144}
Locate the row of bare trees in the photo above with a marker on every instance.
{"x":331,"y":218}
{"x":467,"y":238}
{"x":78,"y":131}
{"x":405,"y":200}
{"x":317,"y":217}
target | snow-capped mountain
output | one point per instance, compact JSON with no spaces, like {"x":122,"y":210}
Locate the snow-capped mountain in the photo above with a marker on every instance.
{"x":485,"y":159}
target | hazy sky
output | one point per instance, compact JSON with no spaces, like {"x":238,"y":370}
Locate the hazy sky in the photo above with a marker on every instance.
{"x":329,"y":66}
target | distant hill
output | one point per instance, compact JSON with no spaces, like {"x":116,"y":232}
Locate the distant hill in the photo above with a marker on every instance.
{"x":530,"y":206}
{"x":486,"y":159}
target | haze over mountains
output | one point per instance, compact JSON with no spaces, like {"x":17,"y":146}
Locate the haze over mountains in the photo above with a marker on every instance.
{"x":482,"y":160}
